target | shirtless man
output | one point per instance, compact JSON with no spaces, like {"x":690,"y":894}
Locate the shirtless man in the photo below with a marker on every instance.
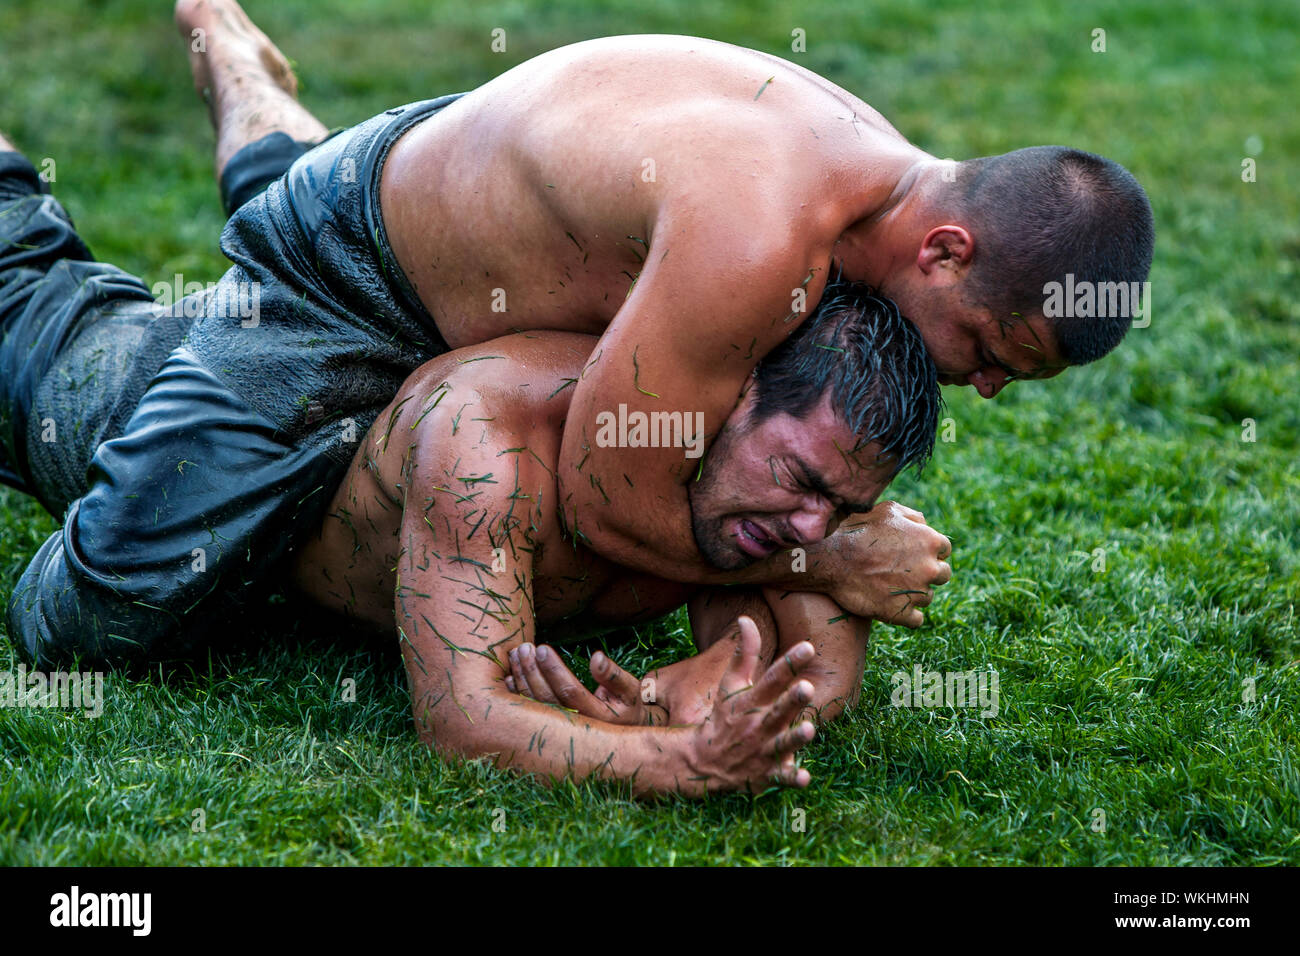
{"x":449,"y":524}
{"x":825,"y":422}
{"x":691,"y":222}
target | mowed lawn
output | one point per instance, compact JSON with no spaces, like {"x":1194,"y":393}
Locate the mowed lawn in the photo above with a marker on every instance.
{"x":1125,"y":559}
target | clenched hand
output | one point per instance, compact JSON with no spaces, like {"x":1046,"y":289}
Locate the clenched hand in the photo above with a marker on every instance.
{"x":884,"y":564}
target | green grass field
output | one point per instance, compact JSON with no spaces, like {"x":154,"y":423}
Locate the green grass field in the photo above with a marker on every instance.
{"x":1124,"y":672}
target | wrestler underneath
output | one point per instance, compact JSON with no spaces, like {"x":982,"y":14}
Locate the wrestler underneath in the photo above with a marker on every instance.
{"x":448,"y":528}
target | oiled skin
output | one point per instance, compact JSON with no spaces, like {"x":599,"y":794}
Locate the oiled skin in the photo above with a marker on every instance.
{"x":719,"y":179}
{"x":447,"y":527}
{"x":523,"y":384}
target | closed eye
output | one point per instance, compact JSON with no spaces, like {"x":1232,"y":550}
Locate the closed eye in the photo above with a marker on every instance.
{"x":1011,"y":373}
{"x":814,"y":484}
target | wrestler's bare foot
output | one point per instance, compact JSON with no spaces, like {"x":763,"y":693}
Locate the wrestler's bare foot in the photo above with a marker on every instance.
{"x":198,"y":20}
{"x":245,"y":80}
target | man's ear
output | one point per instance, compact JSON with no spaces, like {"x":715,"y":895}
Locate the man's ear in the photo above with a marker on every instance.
{"x":949,"y":247}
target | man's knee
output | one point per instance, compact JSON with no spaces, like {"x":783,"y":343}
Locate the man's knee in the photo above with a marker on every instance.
{"x":63,"y":613}
{"x":186,"y":515}
{"x":18,"y":177}
{"x":256,"y":166}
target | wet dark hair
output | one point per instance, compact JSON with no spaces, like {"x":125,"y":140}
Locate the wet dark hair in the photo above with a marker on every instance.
{"x":875,"y":365}
{"x":1042,"y":212}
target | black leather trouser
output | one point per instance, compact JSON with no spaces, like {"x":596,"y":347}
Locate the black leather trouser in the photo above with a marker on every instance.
{"x":234,"y":449}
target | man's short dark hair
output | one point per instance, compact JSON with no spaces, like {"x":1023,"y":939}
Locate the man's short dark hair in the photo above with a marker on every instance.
{"x":1041,"y":213}
{"x":874,"y":363}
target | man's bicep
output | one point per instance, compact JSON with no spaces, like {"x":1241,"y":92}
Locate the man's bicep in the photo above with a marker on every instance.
{"x":463,"y":592}
{"x":659,"y":386}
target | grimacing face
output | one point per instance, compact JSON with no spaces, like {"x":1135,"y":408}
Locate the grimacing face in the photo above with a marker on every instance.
{"x":969,"y":346}
{"x":780,"y":483}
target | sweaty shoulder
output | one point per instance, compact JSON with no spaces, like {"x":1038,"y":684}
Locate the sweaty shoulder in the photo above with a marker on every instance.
{"x":518,"y":385}
{"x":642,"y":111}
{"x":533,"y":201}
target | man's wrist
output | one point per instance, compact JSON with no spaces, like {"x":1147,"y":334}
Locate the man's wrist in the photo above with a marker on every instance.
{"x":806,"y":568}
{"x":674,"y":765}
{"x":697,"y":777}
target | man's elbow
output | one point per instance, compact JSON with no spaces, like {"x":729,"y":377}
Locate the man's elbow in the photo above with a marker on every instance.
{"x":829,"y":703}
{"x":450,"y":727}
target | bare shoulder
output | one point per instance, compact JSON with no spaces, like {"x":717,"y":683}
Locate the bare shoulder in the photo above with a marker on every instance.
{"x":650,"y":117}
{"x":515,"y":385}
{"x":651,"y":66}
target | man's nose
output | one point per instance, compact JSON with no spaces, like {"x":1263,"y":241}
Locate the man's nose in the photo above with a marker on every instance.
{"x":988,"y":381}
{"x":812,"y":522}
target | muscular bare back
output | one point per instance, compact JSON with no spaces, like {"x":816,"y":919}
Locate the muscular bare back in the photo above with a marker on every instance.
{"x":554,"y":181}
{"x":679,"y":197}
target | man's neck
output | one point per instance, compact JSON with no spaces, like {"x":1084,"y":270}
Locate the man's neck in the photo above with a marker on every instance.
{"x":882,"y":244}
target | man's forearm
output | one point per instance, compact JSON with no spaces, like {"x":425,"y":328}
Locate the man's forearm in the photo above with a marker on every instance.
{"x":555,"y":744}
{"x":807,"y":568}
{"x":880,"y":566}
{"x":784,"y":619}
{"x":841,"y":643}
